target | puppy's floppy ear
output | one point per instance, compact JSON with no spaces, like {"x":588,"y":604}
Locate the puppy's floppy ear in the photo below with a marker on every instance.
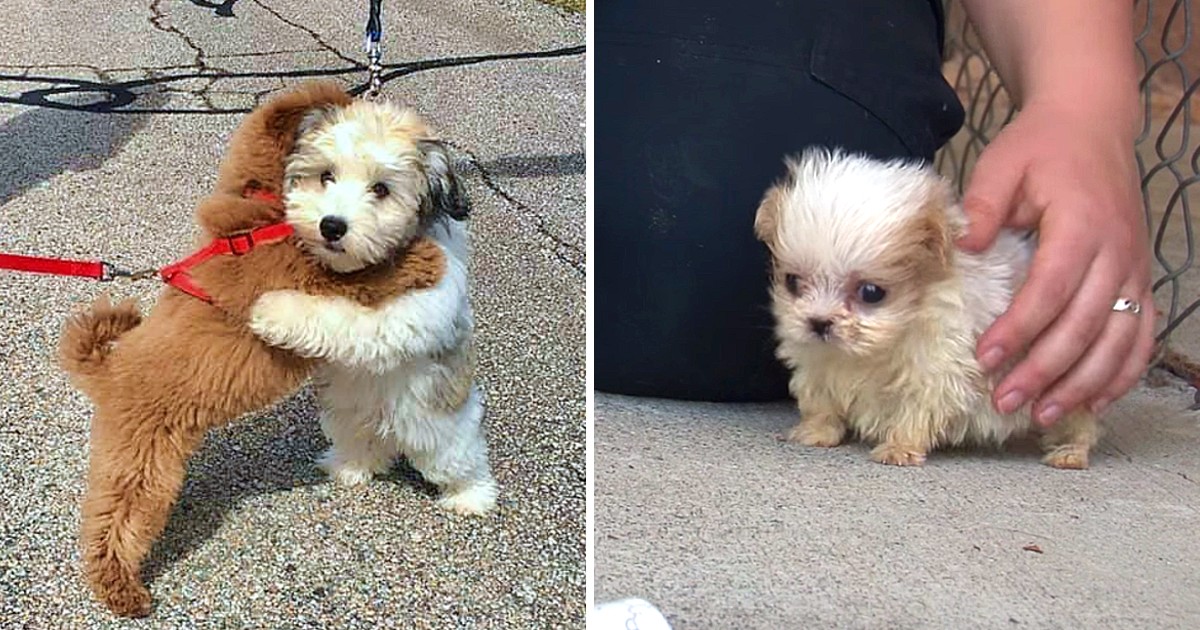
{"x":293,"y":112}
{"x":267,"y":135}
{"x":766,"y":220}
{"x":446,"y":193}
{"x":935,"y":234}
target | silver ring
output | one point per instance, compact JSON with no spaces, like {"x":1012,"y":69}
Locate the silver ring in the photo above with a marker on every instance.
{"x":1127,"y":305}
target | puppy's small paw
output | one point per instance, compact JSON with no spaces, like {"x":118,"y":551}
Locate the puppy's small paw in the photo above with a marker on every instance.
{"x":475,"y":499}
{"x":897,"y":455}
{"x":825,"y":435}
{"x":274,"y":307}
{"x":278,"y":302}
{"x":1067,"y":458}
{"x":343,"y":472}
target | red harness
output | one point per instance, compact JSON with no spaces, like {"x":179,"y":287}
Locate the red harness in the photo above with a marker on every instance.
{"x":175,"y":274}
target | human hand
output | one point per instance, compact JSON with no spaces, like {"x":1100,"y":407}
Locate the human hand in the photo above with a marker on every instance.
{"x":1072,"y":176}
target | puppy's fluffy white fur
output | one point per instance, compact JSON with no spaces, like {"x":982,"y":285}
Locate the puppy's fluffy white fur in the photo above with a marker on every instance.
{"x":399,"y":378}
{"x":877,"y":313}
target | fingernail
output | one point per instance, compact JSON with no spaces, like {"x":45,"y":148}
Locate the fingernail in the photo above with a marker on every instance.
{"x":1100,"y":405}
{"x":1049,"y":414}
{"x":991,"y":359}
{"x":1011,"y":401}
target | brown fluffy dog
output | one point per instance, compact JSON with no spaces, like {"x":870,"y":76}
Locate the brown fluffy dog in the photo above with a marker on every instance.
{"x":160,"y":383}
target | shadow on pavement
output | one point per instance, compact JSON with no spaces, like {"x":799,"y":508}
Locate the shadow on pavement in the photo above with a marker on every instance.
{"x":220,"y":9}
{"x":261,"y":455}
{"x":39,"y":144}
{"x":535,"y":165}
{"x":122,"y":97}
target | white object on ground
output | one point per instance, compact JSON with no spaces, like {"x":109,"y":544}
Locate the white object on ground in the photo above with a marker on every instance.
{"x":627,"y":614}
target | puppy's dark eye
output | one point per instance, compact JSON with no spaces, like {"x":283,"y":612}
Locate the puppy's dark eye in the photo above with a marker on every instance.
{"x":326,"y":178}
{"x":792,"y":282}
{"x":870,"y":293}
{"x":380,"y":189}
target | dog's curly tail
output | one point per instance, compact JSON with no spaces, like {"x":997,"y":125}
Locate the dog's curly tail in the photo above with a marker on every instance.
{"x":88,"y":336}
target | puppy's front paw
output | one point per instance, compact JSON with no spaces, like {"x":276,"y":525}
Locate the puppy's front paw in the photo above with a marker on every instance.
{"x":269,"y":310}
{"x":475,"y":499}
{"x":278,"y":303}
{"x":276,"y":312}
{"x":1067,"y":457}
{"x":822,"y":433}
{"x":898,"y":455}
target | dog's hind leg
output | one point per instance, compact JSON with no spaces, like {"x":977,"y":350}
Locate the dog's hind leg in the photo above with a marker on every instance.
{"x":456,"y":460}
{"x":358,"y":452}
{"x":135,"y":474}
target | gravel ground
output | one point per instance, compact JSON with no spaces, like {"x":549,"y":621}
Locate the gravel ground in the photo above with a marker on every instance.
{"x":260,"y":538}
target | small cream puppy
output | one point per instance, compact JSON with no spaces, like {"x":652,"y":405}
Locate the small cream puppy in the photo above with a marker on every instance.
{"x":877,"y":313}
{"x":398,"y":379}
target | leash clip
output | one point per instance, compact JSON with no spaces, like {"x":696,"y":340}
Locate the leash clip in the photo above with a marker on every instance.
{"x":110,"y":272}
{"x":374,"y":49}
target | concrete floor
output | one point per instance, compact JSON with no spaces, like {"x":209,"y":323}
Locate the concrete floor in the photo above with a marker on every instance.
{"x":701,"y":511}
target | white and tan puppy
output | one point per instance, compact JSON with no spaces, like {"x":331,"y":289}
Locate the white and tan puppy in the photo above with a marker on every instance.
{"x":364,"y":182}
{"x":877,"y":313}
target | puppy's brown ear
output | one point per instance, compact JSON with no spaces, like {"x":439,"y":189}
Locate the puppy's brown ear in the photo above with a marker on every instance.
{"x":446,"y":192}
{"x":935,"y":235}
{"x":292,"y":113}
{"x":267,"y":135}
{"x":766,"y":220}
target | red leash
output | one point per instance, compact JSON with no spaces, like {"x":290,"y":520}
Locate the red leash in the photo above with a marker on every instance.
{"x":97,"y":270}
{"x":175,"y":274}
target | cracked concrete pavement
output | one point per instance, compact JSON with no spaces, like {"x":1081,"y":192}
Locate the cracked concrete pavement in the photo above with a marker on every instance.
{"x":112,"y":119}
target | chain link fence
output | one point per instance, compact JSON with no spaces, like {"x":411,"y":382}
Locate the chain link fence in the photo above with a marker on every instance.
{"x":1168,"y":159}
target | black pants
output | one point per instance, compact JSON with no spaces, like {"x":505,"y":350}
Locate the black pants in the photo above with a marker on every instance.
{"x":696,"y":104}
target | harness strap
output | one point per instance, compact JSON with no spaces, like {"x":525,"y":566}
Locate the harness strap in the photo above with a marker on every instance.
{"x":239,"y":244}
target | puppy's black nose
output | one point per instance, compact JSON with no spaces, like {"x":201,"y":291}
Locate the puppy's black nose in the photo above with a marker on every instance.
{"x":820,"y":327}
{"x":333,"y":228}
